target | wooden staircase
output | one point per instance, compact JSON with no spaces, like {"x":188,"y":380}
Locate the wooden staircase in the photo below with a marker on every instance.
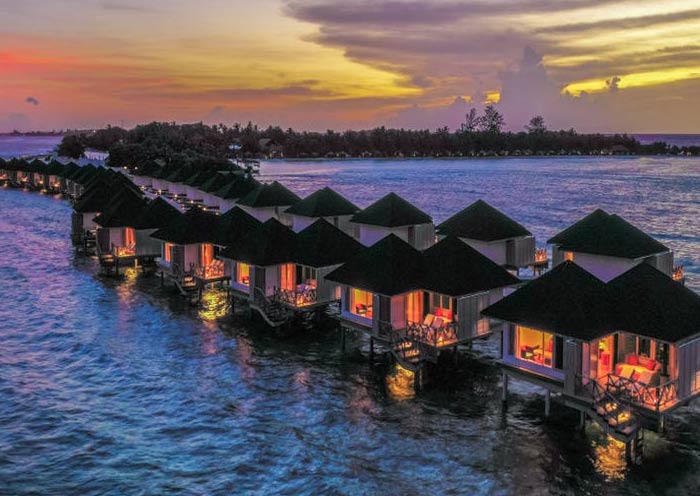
{"x":615,"y":417}
{"x":274,"y":313}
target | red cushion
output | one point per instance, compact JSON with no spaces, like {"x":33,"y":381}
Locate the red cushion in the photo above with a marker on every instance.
{"x":651,"y":364}
{"x":635,"y":376}
{"x":438,"y":312}
{"x":447,"y":314}
{"x":632,"y":359}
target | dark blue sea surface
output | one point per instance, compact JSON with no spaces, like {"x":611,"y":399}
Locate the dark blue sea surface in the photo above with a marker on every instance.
{"x":118,"y":387}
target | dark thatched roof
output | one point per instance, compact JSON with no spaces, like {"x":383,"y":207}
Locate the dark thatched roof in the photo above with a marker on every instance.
{"x":389,"y":267}
{"x":123,"y":211}
{"x":600,"y":233}
{"x":180,"y":175}
{"x":391,"y":211}
{"x":156,"y":214}
{"x":199,"y":178}
{"x":323,"y":203}
{"x":567,"y":300}
{"x":647,"y":302}
{"x":193,"y":227}
{"x":482,"y":222}
{"x":272,"y":194}
{"x":237,"y":187}
{"x":100,"y":195}
{"x":455,"y":269}
{"x":272,"y":243}
{"x":234,"y":225}
{"x":215,"y":182}
{"x":322,"y":244}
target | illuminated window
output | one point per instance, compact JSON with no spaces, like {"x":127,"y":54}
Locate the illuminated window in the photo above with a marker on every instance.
{"x":696,"y":382}
{"x":569,"y":255}
{"x":482,"y":327}
{"x":287,"y":276}
{"x":442,"y":307}
{"x":129,"y":237}
{"x":243,"y":273}
{"x":206,"y":254}
{"x":535,"y":346}
{"x":361,"y":303}
{"x":168,"y":252}
{"x":414,"y":306}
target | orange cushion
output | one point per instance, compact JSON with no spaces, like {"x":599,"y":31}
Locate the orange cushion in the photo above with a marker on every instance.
{"x":651,"y":364}
{"x":447,"y":314}
{"x":632,"y":359}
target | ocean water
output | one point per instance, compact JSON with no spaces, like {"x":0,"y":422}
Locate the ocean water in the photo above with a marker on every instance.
{"x":20,"y":146}
{"x":117,"y":387}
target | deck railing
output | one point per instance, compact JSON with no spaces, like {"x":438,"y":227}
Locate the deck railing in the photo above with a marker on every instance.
{"x":305,"y":297}
{"x":214,"y":270}
{"x":437,"y":337}
{"x":655,"y":397}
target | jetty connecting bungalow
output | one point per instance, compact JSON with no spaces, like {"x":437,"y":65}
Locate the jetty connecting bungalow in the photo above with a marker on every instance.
{"x":394,"y":215}
{"x":495,"y":235}
{"x":419,"y":302}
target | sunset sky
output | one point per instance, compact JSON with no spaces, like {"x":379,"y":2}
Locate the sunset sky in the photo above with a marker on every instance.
{"x":596,"y":65}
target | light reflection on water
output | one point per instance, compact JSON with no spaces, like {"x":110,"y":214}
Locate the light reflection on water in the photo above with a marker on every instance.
{"x":118,"y":386}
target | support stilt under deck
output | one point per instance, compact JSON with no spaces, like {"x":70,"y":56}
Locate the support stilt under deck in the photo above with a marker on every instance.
{"x":504,"y":391}
{"x":547,"y":403}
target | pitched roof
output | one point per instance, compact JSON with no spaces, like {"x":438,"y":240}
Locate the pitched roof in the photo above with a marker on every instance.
{"x":55,"y":168}
{"x":271,"y":243}
{"x":567,"y":300}
{"x":98,"y":197}
{"x":600,"y":233}
{"x":123,"y":211}
{"x":156,"y":214}
{"x":323,"y":203}
{"x":391,"y":211}
{"x":147,"y":169}
{"x":192,"y":227}
{"x":322,"y":244}
{"x":271,"y":194}
{"x":389,"y":267}
{"x":199,"y":178}
{"x":455,"y":268}
{"x":649,"y":303}
{"x":235,"y":224}
{"x":215,"y":182}
{"x":482,"y":222}
{"x":180,"y":175}
{"x":237,"y":187}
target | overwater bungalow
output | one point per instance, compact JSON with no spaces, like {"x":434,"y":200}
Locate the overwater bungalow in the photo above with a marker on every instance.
{"x":175,"y":182}
{"x":194,"y":182}
{"x":76,"y":183}
{"x":420,"y":302}
{"x":323,"y":204}
{"x":69,"y":170}
{"x":52,"y":176}
{"x":269,"y":201}
{"x":211,"y":186}
{"x":606,"y":245}
{"x":319,"y":249}
{"x":159,"y":183}
{"x":142,"y":176}
{"x":261,"y":261}
{"x":238,"y":186}
{"x":394,"y":215}
{"x":188,"y":255}
{"x":157,"y":214}
{"x":37,"y":172}
{"x":116,"y":237}
{"x":3,"y":171}
{"x":623,"y":352}
{"x":494,"y":235}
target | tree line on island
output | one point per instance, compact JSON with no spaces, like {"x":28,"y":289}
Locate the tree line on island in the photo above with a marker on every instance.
{"x":201,"y":145}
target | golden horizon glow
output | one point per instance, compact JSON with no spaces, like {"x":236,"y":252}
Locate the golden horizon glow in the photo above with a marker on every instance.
{"x":321,"y":64}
